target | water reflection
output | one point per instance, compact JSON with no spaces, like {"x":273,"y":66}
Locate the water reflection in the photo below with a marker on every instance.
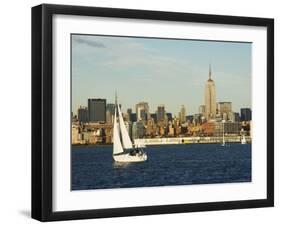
{"x":120,"y":165}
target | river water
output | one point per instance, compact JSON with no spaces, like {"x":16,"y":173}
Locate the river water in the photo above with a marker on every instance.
{"x":93,"y":167}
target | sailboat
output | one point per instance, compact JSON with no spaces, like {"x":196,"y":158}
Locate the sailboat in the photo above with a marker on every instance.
{"x":123,"y":149}
{"x":223,"y":140}
{"x":243,"y":140}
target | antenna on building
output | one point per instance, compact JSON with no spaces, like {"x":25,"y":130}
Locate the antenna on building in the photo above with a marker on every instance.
{"x":210,"y":72}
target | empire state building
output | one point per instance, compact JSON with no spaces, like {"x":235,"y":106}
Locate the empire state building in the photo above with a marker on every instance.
{"x":210,"y":97}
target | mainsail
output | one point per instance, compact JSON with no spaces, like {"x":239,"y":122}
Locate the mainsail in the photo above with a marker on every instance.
{"x":127,"y":143}
{"x":117,"y":146}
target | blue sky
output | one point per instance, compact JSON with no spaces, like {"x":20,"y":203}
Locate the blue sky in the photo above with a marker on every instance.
{"x":159,"y":71}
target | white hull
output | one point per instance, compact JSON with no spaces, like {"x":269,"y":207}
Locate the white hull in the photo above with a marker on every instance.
{"x":129,"y":158}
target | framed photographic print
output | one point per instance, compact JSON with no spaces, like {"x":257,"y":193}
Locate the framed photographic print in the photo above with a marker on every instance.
{"x":140,"y":112}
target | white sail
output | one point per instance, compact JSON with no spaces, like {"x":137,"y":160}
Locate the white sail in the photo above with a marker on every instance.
{"x":127,"y":143}
{"x":117,"y":146}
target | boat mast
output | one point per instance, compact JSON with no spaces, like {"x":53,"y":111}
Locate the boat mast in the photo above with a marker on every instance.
{"x":115,"y":98}
{"x":223,"y":141}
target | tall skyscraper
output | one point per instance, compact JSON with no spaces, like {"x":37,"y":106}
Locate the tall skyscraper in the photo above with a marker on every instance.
{"x":246,"y":114}
{"x":82,"y":114}
{"x":182,"y":114}
{"x":142,"y":111}
{"x":210,"y":97}
{"x":160,"y":113}
{"x":97,"y":110}
{"x":110,"y":109}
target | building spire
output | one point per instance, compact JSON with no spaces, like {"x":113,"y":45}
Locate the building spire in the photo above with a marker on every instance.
{"x":210,"y":72}
{"x":115,"y":97}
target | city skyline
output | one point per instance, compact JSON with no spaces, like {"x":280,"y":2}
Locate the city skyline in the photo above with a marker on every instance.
{"x":159,"y":71}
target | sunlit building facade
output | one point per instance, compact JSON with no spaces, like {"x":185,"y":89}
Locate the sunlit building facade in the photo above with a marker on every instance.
{"x":210,"y":97}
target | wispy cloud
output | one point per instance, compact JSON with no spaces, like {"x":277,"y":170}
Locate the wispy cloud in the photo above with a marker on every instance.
{"x":88,"y":42}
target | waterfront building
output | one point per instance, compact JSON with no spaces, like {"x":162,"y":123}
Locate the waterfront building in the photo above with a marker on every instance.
{"x":97,"y":110}
{"x":75,"y":134}
{"x":209,"y":128}
{"x":92,"y":133}
{"x":210,"y":97}
{"x":233,"y":128}
{"x":142,"y":111}
{"x":94,"y":136}
{"x":194,"y":130}
{"x":160,"y":113}
{"x":246,"y":114}
{"x":82,"y":113}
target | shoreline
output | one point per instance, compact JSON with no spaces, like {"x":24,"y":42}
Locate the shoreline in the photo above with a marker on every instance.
{"x":178,"y":141}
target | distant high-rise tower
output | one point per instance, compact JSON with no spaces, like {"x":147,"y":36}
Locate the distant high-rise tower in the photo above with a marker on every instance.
{"x":160,"y":114}
{"x":142,"y":111}
{"x":246,"y":114}
{"x":82,"y":113}
{"x":210,"y":97}
{"x":110,"y":108}
{"x":97,"y":110}
{"x":182,"y":114}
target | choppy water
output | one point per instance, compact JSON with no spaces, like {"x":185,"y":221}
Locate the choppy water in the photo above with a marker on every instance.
{"x":94,"y":168}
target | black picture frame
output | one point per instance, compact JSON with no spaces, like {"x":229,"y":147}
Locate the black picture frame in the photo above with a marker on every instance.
{"x":42,"y":107}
